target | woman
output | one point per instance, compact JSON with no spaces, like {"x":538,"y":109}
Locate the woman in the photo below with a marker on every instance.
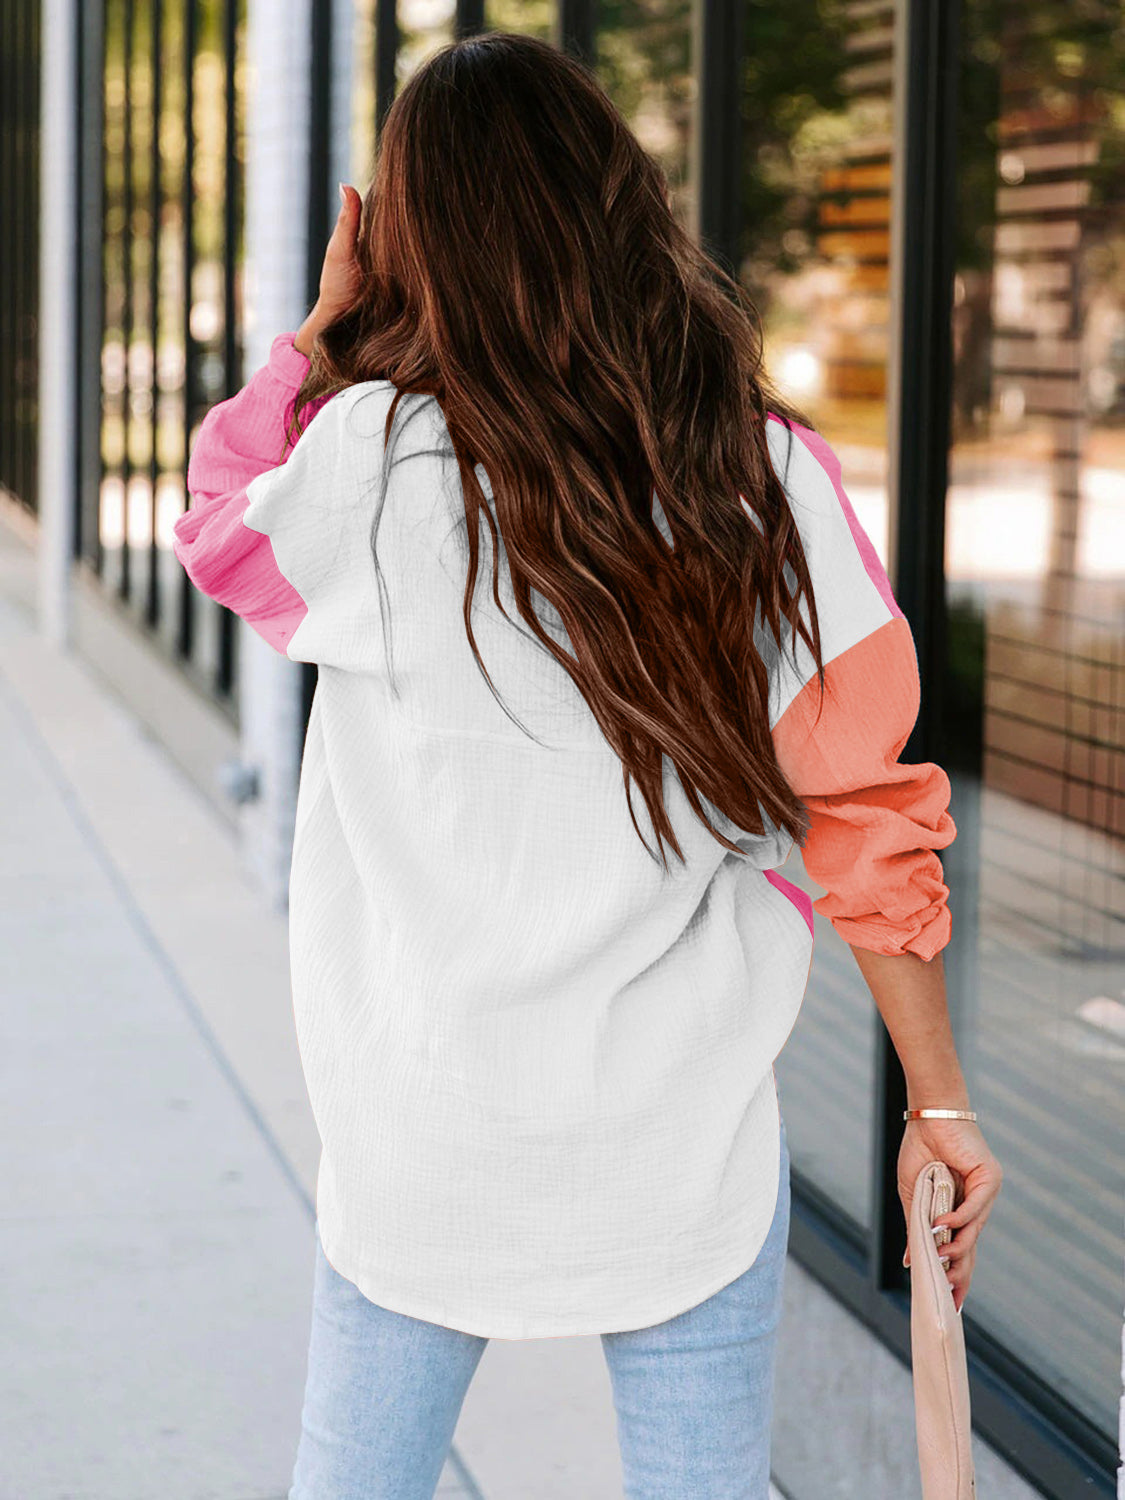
{"x":540,"y":1053}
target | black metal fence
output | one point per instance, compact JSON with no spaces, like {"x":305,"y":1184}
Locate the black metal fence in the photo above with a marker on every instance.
{"x":19,"y":249}
{"x":160,"y":300}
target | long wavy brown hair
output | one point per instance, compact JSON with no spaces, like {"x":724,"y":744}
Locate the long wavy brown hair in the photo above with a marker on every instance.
{"x":521,"y":264}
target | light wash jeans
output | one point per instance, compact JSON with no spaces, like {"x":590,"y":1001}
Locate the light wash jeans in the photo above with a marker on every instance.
{"x":693,"y":1395}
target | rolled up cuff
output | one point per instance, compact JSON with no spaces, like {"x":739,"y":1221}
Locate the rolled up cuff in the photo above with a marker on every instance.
{"x":286,"y":361}
{"x":925,"y":932}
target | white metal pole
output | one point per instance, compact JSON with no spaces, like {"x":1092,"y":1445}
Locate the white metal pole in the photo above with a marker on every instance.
{"x":58,"y":252}
{"x":278,"y":121}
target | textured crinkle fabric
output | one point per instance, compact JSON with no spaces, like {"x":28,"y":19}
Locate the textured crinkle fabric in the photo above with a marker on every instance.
{"x":541,"y":1066}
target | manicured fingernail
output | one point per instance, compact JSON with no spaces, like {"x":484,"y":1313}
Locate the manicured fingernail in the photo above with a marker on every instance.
{"x":343,"y":195}
{"x":904,"y":1260}
{"x":937,"y":1228}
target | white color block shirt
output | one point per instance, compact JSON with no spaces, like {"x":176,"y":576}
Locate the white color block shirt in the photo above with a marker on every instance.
{"x":541,"y":1066}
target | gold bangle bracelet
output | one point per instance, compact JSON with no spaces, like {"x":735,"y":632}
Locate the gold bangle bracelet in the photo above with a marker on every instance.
{"x":939,"y":1114}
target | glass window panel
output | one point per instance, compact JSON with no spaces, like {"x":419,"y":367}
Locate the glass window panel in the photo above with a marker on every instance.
{"x":819,"y":116}
{"x":1035,"y":559}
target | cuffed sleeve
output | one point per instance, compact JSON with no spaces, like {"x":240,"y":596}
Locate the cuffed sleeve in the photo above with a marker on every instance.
{"x":236,"y":567}
{"x":245,"y":435}
{"x":876,"y":823}
{"x":238,"y":441}
{"x":286,"y":363}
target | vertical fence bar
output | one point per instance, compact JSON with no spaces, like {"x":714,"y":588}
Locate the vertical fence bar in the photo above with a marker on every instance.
{"x":125,"y":576}
{"x":225,"y":667}
{"x":468,"y":18}
{"x":386,"y":56}
{"x":52,"y":236}
{"x":232,"y":197}
{"x":152,"y":602}
{"x":575,"y":29}
{"x":110,"y":261}
{"x":716,"y":165}
{"x":34,"y":214}
{"x":90,"y":270}
{"x":11,"y":281}
{"x":19,"y":198}
{"x":320,"y":206}
{"x":17,"y":85}
{"x":186,"y":636}
{"x":7,"y":257}
{"x":34,"y":200}
{"x":20,"y":94}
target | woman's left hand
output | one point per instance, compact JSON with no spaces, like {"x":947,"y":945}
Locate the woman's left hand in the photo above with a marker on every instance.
{"x":977,"y":1176}
{"x":340,"y":276}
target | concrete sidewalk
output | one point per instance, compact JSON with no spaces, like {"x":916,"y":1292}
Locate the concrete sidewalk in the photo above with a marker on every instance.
{"x":158,"y":1152}
{"x":159,"y":1156}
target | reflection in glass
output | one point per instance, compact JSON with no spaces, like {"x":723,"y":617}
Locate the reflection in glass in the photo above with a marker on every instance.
{"x":1035,"y":555}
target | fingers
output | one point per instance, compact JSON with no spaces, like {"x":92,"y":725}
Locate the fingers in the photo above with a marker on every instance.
{"x":975,"y":1204}
{"x":340,"y":275}
{"x":980,"y":1180}
{"x":966,"y":1222}
{"x":958,"y":1255}
{"x":959,"y":1275}
{"x":965,"y":1239}
{"x":906,"y":1253}
{"x":963,"y":1235}
{"x":347,"y":221}
{"x":958,"y":1259}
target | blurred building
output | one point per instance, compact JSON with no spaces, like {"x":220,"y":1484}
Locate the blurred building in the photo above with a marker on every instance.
{"x":927,"y":200}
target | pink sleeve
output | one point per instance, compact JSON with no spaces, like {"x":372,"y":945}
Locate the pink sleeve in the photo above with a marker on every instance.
{"x":875,"y":822}
{"x":239,"y":439}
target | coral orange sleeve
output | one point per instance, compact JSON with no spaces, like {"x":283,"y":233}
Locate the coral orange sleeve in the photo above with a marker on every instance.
{"x":876,"y":823}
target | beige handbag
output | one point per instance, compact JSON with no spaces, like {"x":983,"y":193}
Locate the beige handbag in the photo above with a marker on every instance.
{"x":937,"y":1347}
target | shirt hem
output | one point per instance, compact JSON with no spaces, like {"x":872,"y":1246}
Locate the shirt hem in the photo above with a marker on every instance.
{"x":434,"y":1312}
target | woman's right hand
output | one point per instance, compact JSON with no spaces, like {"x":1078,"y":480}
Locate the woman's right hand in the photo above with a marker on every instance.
{"x":340,"y":275}
{"x":977,"y":1176}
